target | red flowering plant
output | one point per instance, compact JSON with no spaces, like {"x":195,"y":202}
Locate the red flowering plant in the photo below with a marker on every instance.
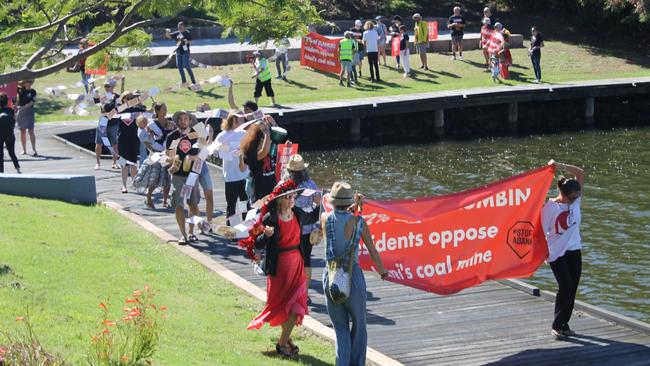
{"x":23,"y":348}
{"x":132,"y":339}
{"x":258,"y":227}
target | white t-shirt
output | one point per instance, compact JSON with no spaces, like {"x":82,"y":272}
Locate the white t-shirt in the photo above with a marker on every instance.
{"x":372,"y":38}
{"x":231,"y":172}
{"x":561,"y":224}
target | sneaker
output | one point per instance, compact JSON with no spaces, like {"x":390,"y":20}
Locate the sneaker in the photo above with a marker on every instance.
{"x":535,"y":81}
{"x":460,"y":58}
{"x":406,"y":74}
{"x":278,"y":77}
{"x":349,"y":85}
{"x":568,"y":333}
{"x":341,"y":82}
{"x":556,"y":333}
{"x":422,"y":66}
{"x":453,"y":58}
{"x":96,"y":166}
{"x":18,"y":171}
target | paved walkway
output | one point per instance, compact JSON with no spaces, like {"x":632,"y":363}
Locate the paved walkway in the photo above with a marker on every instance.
{"x":489,"y":324}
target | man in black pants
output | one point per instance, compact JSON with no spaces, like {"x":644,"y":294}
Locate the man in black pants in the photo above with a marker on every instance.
{"x":7,"y":137}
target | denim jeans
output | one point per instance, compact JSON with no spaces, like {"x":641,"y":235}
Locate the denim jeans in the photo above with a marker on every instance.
{"x":84,"y":80}
{"x":183,"y":61}
{"x":351,"y":343}
{"x":535,"y":59}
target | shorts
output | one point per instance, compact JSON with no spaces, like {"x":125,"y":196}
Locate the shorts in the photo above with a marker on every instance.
{"x":177,"y":185}
{"x":205,"y":180}
{"x":381,"y":45}
{"x":267,"y":88}
{"x":306,"y":247}
{"x":457,"y":39}
{"x":360,"y":54}
{"x":421,"y":47}
{"x":346,"y":65}
{"x":111,"y":132}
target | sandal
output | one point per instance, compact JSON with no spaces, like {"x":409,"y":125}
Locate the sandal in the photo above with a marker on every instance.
{"x":149,"y":204}
{"x":192,"y":238}
{"x":284,"y":351}
{"x":182,"y":241}
{"x":294,"y":348}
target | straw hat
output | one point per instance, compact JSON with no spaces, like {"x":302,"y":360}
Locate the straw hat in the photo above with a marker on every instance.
{"x":296,"y":163}
{"x":178,"y":114}
{"x":127,"y":95}
{"x":341,"y":194}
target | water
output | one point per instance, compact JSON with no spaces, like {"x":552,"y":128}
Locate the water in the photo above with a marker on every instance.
{"x":616,"y":205}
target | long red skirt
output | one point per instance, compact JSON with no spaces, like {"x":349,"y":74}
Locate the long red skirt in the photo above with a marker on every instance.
{"x":285,"y":292}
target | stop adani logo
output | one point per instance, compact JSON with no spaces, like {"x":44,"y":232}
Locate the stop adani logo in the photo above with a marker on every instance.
{"x":520,"y":238}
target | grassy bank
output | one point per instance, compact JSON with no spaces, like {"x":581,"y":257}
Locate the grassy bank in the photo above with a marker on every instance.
{"x":62,"y":260}
{"x":561,"y":62}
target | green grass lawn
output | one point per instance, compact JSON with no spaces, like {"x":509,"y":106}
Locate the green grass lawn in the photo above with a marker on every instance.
{"x":561,"y":62}
{"x":63,"y":260}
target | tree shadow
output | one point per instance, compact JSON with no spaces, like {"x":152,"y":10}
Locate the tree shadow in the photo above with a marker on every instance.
{"x":327,"y":74}
{"x":475,"y":64}
{"x":445,"y":73}
{"x":608,"y":352}
{"x":300,"y":85}
{"x":209,"y":93}
{"x":48,"y":105}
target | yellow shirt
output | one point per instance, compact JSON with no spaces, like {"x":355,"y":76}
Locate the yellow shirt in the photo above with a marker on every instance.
{"x":421,"y":32}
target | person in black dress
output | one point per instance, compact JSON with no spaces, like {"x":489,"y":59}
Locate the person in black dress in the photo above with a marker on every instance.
{"x":7,"y":137}
{"x":128,"y":144}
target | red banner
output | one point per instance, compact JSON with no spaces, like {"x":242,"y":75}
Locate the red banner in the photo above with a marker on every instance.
{"x":433,"y":30}
{"x":11,"y":89}
{"x":394,"y":46}
{"x":320,"y":53}
{"x":282,"y":158}
{"x":447,"y":243}
{"x":496,"y":42}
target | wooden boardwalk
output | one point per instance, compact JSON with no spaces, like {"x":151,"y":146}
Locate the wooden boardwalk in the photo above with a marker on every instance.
{"x":493,"y":323}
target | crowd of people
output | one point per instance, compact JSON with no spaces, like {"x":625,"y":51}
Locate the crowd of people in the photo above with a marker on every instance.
{"x":372,"y":38}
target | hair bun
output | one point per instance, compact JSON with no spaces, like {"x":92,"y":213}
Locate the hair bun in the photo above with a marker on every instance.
{"x":561,"y":180}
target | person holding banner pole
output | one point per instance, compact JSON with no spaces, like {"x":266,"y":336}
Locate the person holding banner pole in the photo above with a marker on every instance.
{"x":346,"y":51}
{"x":345,"y":227}
{"x":561,"y":219}
{"x":394,"y":33}
{"x":382,"y":32}
{"x":421,"y":31}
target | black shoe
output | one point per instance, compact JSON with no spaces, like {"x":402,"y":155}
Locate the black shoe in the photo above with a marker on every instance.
{"x":341,"y":82}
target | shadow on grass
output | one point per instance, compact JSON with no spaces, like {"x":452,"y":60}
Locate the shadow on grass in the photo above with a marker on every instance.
{"x":50,"y":105}
{"x":209,"y":93}
{"x":302,"y":359}
{"x":299,"y":85}
{"x":445,"y":73}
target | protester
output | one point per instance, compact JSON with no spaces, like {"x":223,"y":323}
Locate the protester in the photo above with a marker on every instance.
{"x":183,"y":40}
{"x":297,"y":171}
{"x":505,"y":59}
{"x":421,"y":31}
{"x":128,"y":144}
{"x":181,"y":151}
{"x":495,"y":69}
{"x":82,"y":64}
{"x":7,"y":137}
{"x":343,"y":231}
{"x":394,"y":33}
{"x":535,"y":52}
{"x":370,"y":42}
{"x":109,"y":99}
{"x":282,"y":57}
{"x":255,"y":148}
{"x":347,"y":49}
{"x":153,"y":175}
{"x":382,"y":32}
{"x":357,"y":61}
{"x":487,"y":13}
{"x":404,"y":51}
{"x":26,"y":116}
{"x":205,"y":181}
{"x":262,"y":78}
{"x":280,"y":229}
{"x":561,"y":219}
{"x":484,"y":42}
{"x":233,"y":175}
{"x":456,"y":24}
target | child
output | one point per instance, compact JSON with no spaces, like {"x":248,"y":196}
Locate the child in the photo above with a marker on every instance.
{"x":494,"y":67}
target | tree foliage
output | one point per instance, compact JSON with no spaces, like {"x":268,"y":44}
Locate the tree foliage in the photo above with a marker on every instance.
{"x":39,"y":37}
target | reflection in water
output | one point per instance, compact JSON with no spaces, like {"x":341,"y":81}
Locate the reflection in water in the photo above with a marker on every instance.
{"x":616,"y":211}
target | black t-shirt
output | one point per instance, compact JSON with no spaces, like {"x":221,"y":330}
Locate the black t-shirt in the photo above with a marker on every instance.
{"x":25,"y":96}
{"x":7,"y":121}
{"x":536,"y":42}
{"x":457,"y":19}
{"x":262,"y":172}
{"x":127,"y":127}
{"x":179,"y":36}
{"x":358,"y":35}
{"x":185,"y":147}
{"x":404,"y":42}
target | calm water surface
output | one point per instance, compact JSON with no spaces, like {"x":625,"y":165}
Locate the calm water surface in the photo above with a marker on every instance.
{"x":616,"y":206}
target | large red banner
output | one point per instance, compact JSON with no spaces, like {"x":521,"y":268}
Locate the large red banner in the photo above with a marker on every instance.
{"x":447,"y":243}
{"x":320,"y":53}
{"x":433,"y":30}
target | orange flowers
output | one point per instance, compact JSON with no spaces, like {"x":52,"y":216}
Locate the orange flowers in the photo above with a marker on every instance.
{"x":108,"y":323}
{"x":137,"y":293}
{"x":20,"y":318}
{"x":124,"y":358}
{"x":101,"y":305}
{"x":162,"y":308}
{"x":105,"y":331}
{"x":131,"y":301}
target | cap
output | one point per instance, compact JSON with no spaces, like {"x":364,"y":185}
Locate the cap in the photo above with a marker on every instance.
{"x":358,"y":23}
{"x":417,"y":15}
{"x":379,"y":17}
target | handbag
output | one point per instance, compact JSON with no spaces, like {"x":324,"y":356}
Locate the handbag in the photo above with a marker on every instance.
{"x":339,"y":270}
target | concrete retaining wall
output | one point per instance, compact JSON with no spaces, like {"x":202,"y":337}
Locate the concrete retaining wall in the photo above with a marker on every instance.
{"x":68,"y":188}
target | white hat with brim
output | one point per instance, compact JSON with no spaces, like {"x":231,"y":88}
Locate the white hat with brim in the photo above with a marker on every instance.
{"x":296,"y":163}
{"x":417,"y":16}
{"x":341,"y":194}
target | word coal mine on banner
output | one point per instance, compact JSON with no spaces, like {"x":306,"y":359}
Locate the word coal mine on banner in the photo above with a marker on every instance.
{"x":447,"y":243}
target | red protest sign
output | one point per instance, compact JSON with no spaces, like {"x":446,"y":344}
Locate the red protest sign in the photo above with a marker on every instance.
{"x":284,"y":153}
{"x":447,"y":243}
{"x":11,"y":89}
{"x":496,"y":43}
{"x":433,"y":30}
{"x":320,"y":53}
{"x":394,"y":46}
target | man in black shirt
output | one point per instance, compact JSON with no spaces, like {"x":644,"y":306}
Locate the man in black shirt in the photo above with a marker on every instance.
{"x":456,"y":24}
{"x":181,"y":152}
{"x":183,"y":40}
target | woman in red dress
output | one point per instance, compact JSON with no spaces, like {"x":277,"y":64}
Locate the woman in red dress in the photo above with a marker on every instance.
{"x":279,"y":232}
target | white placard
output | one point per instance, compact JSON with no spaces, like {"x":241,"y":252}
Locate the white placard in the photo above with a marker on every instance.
{"x":194,"y":220}
{"x":103,"y":121}
{"x":252,"y":214}
{"x":214,"y":79}
{"x":191,"y":179}
{"x":197,"y":166}
{"x":242,"y":206}
{"x":200,"y":129}
{"x":308,"y":192}
{"x":154,"y":91}
{"x":203,"y":154}
{"x":155,"y":157}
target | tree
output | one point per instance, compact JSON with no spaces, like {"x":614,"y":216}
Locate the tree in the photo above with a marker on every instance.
{"x":34,"y":34}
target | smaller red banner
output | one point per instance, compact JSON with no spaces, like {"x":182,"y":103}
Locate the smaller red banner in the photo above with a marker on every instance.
{"x":284,"y":153}
{"x":11,"y":89}
{"x":394,"y":49}
{"x":433,"y":30}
